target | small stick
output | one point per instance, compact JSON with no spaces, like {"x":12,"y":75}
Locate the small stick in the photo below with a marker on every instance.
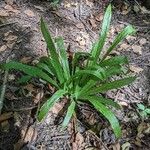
{"x":6,"y":24}
{"x":3,"y":89}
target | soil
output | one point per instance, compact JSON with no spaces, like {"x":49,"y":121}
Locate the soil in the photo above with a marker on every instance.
{"x":78,"y":22}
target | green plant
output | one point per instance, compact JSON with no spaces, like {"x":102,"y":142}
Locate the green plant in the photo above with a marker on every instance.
{"x":80,"y":82}
{"x":143,"y":111}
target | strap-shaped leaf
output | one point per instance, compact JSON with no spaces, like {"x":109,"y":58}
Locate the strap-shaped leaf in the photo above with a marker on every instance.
{"x":105,"y":28}
{"x":24,"y":79}
{"x":86,"y":88}
{"x":63,"y":57}
{"x":52,"y":51}
{"x":108,"y":114}
{"x":112,"y":85}
{"x":105,"y":101}
{"x":69,"y":114}
{"x":29,"y":70}
{"x":45,"y":67}
{"x":123,"y":34}
{"x":117,"y":60}
{"x":49,"y":103}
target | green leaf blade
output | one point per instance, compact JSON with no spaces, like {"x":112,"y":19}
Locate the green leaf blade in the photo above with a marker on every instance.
{"x":105,"y":28}
{"x":108,"y":114}
{"x":69,"y":114}
{"x":49,"y":103}
{"x":112,"y":85}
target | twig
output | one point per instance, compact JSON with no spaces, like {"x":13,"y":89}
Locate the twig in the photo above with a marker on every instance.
{"x":3,"y":88}
{"x":6,"y":24}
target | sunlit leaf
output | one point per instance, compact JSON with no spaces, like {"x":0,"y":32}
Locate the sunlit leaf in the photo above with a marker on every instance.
{"x":112,"y":85}
{"x":30,"y":70}
{"x":69,"y":114}
{"x":105,"y":28}
{"x":49,"y":104}
{"x":108,"y":114}
{"x":52,"y":52}
{"x":63,"y":57}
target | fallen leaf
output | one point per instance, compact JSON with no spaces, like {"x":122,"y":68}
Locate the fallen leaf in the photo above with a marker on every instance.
{"x":30,"y":135}
{"x":130,"y":38}
{"x":38,"y":96}
{"x":26,"y":60}
{"x":142,"y":41}
{"x":9,"y":8}
{"x":99,"y":17}
{"x":136,"y":8}
{"x":93,"y":23}
{"x":9,"y":2}
{"x":30,"y":87}
{"x":4,"y":13}
{"x":11,"y":77}
{"x":123,"y":103}
{"x":29,"y":13}
{"x":137,"y":49}
{"x":126,"y":146}
{"x":124,"y":46}
{"x":3,"y":48}
{"x":90,"y":4}
{"x":116,"y":146}
{"x":6,"y":116}
{"x":136,"y":69}
{"x":80,"y":25}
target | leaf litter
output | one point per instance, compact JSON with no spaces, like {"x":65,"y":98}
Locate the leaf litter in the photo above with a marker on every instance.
{"x":81,"y":139}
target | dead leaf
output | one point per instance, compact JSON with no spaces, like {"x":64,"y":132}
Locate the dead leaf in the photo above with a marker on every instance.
{"x":4,"y":13}
{"x":80,"y":40}
{"x":77,"y":144}
{"x":38,"y":96}
{"x":26,"y":60}
{"x":6,"y":116}
{"x":123,"y":103}
{"x":29,"y":13}
{"x":30,"y":87}
{"x":9,"y":8}
{"x":9,"y":2}
{"x":3,"y":48}
{"x":142,"y":41}
{"x":137,"y":49}
{"x":124,"y":46}
{"x":93,"y":23}
{"x":116,"y":146}
{"x":99,"y":17}
{"x":136,"y":8}
{"x":136,"y":69}
{"x":80,"y":25}
{"x":126,"y":146}
{"x":130,"y":38}
{"x":90,"y":4}
{"x":11,"y":77}
{"x":30,"y":135}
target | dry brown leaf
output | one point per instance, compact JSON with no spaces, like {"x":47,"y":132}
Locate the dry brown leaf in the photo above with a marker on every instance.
{"x":77,"y":144}
{"x":26,"y":60}
{"x":4,"y":13}
{"x":80,"y":25}
{"x":30,"y":134}
{"x":10,"y":2}
{"x":116,"y":146}
{"x":30,"y":87}
{"x":9,"y":8}
{"x":6,"y":116}
{"x":137,"y":49}
{"x":93,"y":23}
{"x":38,"y":96}
{"x":29,"y":13}
{"x":124,"y":46}
{"x":3,"y":48}
{"x":142,"y":41}
{"x":136,"y":69}
{"x":99,"y":17}
{"x":90,"y":4}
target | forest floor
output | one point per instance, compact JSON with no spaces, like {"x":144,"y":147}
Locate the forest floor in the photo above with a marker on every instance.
{"x":79,"y":23}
